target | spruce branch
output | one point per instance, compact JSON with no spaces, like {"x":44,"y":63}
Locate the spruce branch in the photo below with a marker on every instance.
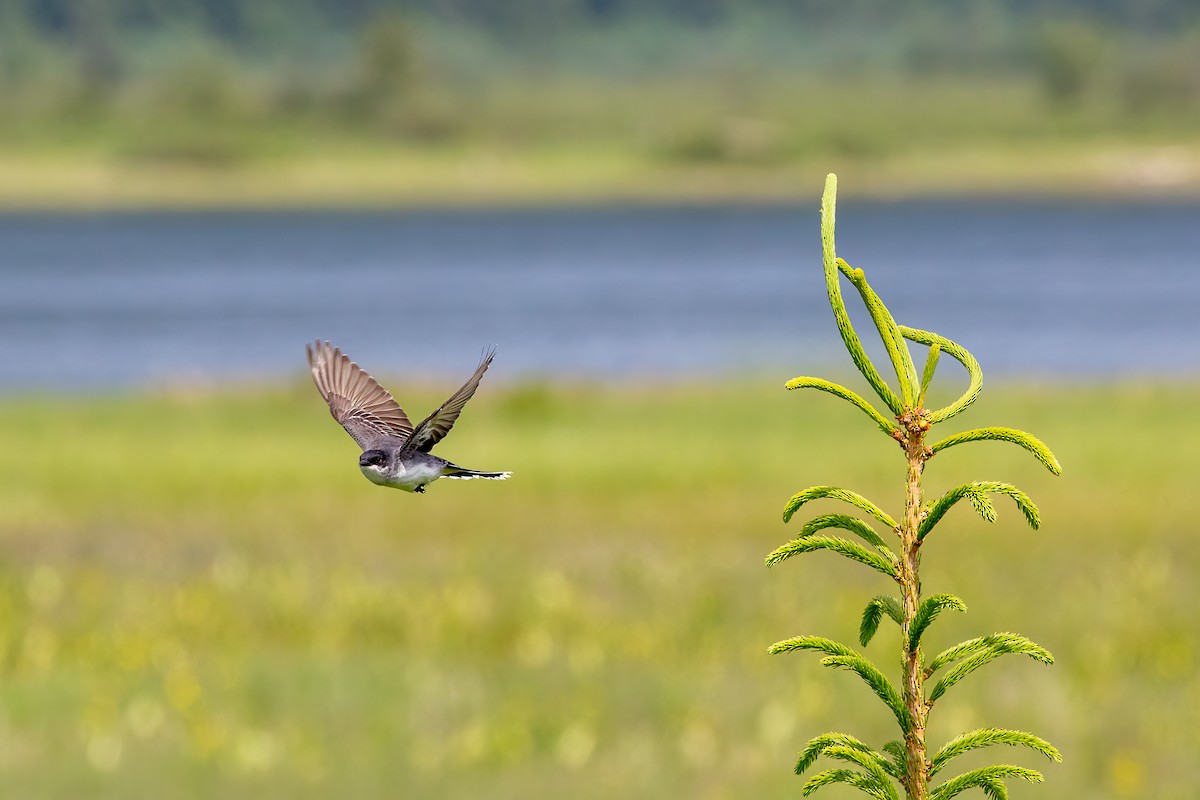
{"x":864,"y":783}
{"x":877,"y":682}
{"x":931,"y":361}
{"x":899,"y":758}
{"x":810,"y":643}
{"x":996,"y":645}
{"x":986,"y":737}
{"x":853,"y":498}
{"x":928,"y":612}
{"x":889,"y":333}
{"x":804,"y":382}
{"x":818,"y":745}
{"x":840,"y":315}
{"x":972,"y":646}
{"x":839,"y":655}
{"x":846,"y":523}
{"x":982,"y":778}
{"x":851,"y":550}
{"x":959,"y":354}
{"x":873,"y":763}
{"x":977,"y":493}
{"x":1031,"y":443}
{"x":873,"y":614}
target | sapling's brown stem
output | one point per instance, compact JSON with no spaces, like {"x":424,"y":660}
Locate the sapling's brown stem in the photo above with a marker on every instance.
{"x":916,"y":780}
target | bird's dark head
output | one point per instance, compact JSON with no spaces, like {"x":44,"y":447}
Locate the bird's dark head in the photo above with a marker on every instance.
{"x":372,"y":458}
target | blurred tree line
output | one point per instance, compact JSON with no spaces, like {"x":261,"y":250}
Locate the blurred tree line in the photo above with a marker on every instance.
{"x":197,"y":73}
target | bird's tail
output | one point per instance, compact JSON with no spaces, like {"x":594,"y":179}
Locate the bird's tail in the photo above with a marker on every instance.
{"x":455,"y":471}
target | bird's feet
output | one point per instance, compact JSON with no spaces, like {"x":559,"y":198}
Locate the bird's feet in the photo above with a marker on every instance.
{"x":420,"y":489}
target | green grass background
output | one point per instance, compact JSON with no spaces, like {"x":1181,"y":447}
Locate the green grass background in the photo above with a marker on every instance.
{"x":201,"y":597}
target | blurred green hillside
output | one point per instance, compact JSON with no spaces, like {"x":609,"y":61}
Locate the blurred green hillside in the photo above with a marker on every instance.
{"x":201,"y":597}
{"x":262,"y":101}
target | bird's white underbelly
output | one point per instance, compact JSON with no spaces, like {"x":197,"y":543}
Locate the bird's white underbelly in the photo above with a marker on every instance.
{"x":407,"y":479}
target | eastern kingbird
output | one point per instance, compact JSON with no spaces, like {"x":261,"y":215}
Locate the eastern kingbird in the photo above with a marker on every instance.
{"x":394,"y":452}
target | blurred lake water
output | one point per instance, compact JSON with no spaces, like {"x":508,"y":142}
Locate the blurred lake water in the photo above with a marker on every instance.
{"x":101,"y":301}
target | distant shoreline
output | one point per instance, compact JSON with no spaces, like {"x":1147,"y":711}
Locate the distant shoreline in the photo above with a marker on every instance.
{"x":413,"y":177}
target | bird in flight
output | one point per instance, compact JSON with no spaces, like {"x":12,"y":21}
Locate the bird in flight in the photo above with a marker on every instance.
{"x":394,"y":452}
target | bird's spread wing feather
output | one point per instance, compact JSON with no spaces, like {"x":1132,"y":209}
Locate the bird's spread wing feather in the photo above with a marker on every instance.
{"x":364,"y":408}
{"x":435,"y":427}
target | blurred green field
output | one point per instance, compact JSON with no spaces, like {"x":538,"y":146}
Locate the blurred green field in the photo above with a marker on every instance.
{"x":201,"y":597}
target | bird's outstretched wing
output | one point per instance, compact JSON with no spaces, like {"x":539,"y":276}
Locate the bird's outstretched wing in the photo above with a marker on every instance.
{"x":435,"y":427}
{"x":364,"y":408}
